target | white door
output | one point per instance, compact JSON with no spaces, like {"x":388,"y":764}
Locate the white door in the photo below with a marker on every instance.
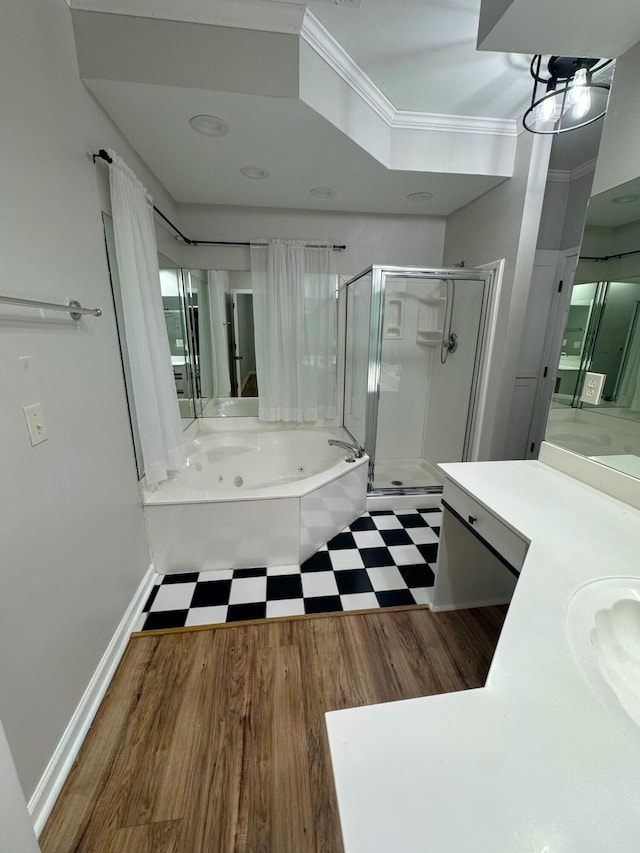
{"x":244,"y":358}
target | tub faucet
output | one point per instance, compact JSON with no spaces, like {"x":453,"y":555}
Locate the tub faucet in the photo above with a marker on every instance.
{"x":354,"y":450}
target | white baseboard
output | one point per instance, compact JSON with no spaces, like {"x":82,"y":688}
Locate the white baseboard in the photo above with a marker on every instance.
{"x":53,"y":778}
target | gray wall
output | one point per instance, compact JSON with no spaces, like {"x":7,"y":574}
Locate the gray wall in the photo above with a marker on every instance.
{"x":72,"y":534}
{"x":504,"y":223}
{"x":563,"y":212}
{"x":619,"y":156}
{"x":370,"y":238}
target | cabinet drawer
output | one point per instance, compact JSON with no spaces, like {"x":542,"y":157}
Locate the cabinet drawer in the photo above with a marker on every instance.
{"x":478,"y":518}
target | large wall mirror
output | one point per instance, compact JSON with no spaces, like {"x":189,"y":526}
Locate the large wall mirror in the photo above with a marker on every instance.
{"x":209,"y":321}
{"x":602,"y":335}
{"x":220,"y":343}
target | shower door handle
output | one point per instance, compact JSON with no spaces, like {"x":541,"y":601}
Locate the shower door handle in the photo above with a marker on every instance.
{"x":237,"y":357}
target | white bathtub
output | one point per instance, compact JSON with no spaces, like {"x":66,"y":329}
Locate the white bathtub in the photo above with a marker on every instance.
{"x":253,"y":497}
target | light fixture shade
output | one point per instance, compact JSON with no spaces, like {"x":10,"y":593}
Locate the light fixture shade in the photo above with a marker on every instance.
{"x":566,"y":97}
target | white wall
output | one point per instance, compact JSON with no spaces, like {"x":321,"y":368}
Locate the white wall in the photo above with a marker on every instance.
{"x":504,"y":223}
{"x":72,"y":534}
{"x":576,"y":211}
{"x":554,"y":208}
{"x":370,"y":238}
{"x":564,"y":210}
{"x":619,"y":155}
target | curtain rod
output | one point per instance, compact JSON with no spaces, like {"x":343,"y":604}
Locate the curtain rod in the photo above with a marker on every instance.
{"x":102,"y":155}
{"x":609,"y":257}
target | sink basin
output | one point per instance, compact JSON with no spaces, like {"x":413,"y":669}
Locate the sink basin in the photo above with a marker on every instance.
{"x":603,"y":629}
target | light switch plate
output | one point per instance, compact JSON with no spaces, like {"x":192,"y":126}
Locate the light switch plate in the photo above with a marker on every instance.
{"x":35,"y":423}
{"x":592,"y":388}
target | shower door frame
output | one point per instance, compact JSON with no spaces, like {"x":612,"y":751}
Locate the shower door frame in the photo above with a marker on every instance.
{"x":378,"y":282}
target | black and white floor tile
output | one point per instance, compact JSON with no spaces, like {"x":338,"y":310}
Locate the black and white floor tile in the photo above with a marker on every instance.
{"x":383,"y":559}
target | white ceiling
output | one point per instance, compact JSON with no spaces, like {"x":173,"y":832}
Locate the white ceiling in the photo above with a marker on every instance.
{"x":423,"y":56}
{"x":419,"y":53}
{"x":300,"y":149}
{"x":616,"y":207}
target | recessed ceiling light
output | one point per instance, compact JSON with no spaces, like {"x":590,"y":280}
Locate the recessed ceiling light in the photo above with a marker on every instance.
{"x":626,"y":199}
{"x":254,"y":172}
{"x":209,"y":125}
{"x":420,"y":196}
{"x":322,"y":192}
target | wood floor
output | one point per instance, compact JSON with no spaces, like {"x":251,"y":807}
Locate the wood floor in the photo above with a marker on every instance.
{"x":214,"y":740}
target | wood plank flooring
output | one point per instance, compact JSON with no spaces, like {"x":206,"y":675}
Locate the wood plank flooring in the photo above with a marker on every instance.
{"x":214,"y":740}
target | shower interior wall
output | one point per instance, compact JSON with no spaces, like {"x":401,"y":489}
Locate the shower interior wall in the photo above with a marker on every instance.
{"x":416,"y":394}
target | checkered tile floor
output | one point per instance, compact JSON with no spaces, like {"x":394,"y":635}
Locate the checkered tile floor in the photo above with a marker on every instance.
{"x":383,"y":559}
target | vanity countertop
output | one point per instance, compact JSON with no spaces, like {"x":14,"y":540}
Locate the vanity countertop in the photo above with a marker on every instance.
{"x":533,"y":761}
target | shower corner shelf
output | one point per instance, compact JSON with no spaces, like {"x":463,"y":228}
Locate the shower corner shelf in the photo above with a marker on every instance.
{"x":429,"y":337}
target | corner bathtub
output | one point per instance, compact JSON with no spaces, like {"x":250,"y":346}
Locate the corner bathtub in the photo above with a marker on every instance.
{"x":253,"y":497}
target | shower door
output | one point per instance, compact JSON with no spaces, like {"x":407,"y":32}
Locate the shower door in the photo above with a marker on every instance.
{"x":357,"y":358}
{"x":411,"y":401}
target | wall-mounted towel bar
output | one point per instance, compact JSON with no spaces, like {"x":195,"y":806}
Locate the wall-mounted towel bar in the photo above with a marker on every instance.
{"x":74,"y":308}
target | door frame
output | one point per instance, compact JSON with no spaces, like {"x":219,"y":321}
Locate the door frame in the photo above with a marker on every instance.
{"x":565,"y":274}
{"x":237,"y":355}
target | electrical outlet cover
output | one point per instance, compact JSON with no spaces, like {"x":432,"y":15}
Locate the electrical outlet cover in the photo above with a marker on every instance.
{"x":592,"y":388}
{"x":35,"y":423}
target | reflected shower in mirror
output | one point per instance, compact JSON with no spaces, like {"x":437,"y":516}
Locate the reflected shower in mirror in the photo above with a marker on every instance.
{"x":602,"y":336}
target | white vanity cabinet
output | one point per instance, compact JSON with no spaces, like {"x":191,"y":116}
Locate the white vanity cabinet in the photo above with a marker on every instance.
{"x":479,"y":556}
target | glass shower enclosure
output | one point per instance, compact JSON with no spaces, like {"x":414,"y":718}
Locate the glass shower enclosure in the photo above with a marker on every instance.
{"x":412,"y":359}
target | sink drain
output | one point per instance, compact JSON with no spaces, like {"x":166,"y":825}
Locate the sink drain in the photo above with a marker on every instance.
{"x":397,"y":483}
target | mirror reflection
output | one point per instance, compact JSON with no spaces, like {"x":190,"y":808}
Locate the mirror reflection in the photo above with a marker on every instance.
{"x":215,"y":345}
{"x":601,"y":339}
{"x":175,"y":316}
{"x":209,"y":317}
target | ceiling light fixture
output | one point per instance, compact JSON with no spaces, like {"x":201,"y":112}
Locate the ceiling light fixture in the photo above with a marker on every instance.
{"x":323,"y":192}
{"x":568,"y":97}
{"x":421,"y":196}
{"x":255,"y":173}
{"x":626,"y":199}
{"x":209,"y":125}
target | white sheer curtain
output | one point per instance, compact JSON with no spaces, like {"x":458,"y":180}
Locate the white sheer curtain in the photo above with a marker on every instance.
{"x":295,"y":317}
{"x":218,"y":287}
{"x":154,"y":388}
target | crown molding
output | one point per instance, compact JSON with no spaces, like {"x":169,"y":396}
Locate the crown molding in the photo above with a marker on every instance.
{"x":565,"y":176}
{"x":323,"y":43}
{"x":295,"y":18}
{"x":409,"y":120}
{"x":318,"y":37}
{"x":584,"y":169}
{"x":559,"y":176}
